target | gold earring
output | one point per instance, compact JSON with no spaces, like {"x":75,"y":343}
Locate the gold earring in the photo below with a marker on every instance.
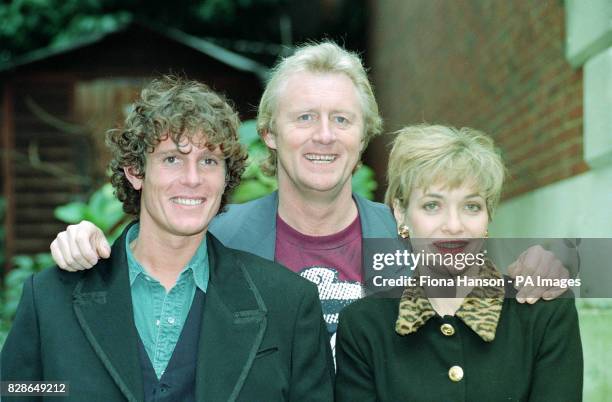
{"x":403,"y":231}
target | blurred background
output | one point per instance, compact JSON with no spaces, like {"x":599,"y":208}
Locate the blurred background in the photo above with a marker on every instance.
{"x":534,"y":74}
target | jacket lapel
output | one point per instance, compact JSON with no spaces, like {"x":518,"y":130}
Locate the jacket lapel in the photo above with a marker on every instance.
{"x":233,"y":327}
{"x":376,"y":219}
{"x":102,"y":303}
{"x":257,"y":231}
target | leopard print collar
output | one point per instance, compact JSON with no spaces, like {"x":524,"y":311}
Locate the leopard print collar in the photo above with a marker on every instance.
{"x":480,"y":310}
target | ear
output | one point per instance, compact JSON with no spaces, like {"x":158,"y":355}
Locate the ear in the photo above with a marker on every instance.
{"x":398,"y":212}
{"x":133,"y":178}
{"x":363,"y":145}
{"x":269,"y":139}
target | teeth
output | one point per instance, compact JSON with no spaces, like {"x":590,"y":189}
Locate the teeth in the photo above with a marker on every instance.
{"x":319,"y":158}
{"x":452,"y":245}
{"x":188,"y":201}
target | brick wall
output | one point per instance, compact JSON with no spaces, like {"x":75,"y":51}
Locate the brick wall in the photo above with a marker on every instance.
{"x":495,"y":65}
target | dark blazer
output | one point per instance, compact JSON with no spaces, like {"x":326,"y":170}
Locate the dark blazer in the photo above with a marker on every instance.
{"x":262,"y":336}
{"x":536,"y":355}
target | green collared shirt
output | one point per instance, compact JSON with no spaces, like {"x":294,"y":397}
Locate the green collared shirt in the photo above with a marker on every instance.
{"x":160,"y":316}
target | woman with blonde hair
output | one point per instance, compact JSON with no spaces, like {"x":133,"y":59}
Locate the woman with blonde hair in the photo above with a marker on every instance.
{"x":464,"y":341}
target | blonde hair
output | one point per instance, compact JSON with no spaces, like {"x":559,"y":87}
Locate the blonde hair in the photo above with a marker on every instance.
{"x":325,"y":57}
{"x":424,"y":155}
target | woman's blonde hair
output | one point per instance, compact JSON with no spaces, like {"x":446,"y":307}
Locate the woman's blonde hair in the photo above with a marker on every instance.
{"x":426,"y":155}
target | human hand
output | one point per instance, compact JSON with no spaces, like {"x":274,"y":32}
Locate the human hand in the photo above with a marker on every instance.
{"x":537,"y":262}
{"x":79,"y":247}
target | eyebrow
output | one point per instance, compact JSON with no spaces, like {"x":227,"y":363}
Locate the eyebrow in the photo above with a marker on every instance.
{"x":339,"y":111}
{"x":298,"y":111}
{"x":439,"y":196}
{"x":174,"y":151}
{"x":168,"y":152}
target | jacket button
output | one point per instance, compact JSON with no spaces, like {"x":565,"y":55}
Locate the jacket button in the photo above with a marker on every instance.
{"x":447,"y":329}
{"x":455,"y":373}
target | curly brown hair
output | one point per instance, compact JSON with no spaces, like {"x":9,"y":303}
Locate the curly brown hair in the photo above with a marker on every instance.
{"x":182,"y":110}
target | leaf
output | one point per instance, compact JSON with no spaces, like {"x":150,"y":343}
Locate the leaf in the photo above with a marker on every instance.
{"x":14,"y":279}
{"x":258,"y":151}
{"x":73,"y":212}
{"x":247,"y":133}
{"x":24,"y":262}
{"x":250,"y":190}
{"x":43,"y":260}
{"x":363,"y":182}
{"x":104,"y":210}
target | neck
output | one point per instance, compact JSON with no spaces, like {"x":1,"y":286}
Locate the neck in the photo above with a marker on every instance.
{"x":316,"y":213}
{"x":164,"y":255}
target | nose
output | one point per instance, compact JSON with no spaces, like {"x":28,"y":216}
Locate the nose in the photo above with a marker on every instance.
{"x":453,"y":224}
{"x":324,"y":133}
{"x":191,"y":175}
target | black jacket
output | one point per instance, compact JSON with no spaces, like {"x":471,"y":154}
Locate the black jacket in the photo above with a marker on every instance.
{"x":262,"y":335}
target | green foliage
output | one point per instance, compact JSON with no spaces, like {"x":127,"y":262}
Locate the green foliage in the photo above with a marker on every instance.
{"x":364,"y":182}
{"x":255,"y":184}
{"x":23,"y":267}
{"x":90,"y":24}
{"x":103,"y":210}
{"x":33,"y":24}
{"x":2,"y":210}
{"x":4,"y":324}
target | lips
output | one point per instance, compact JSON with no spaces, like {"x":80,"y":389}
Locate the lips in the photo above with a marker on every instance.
{"x":188,"y":201}
{"x":451,"y":246}
{"x":321,"y":158}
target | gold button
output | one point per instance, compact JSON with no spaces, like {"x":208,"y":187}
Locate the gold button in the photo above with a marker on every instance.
{"x":447,"y":329}
{"x":455,"y":373}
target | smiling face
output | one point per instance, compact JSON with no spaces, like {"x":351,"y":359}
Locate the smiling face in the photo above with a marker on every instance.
{"x":182,"y":188}
{"x":444,"y":220}
{"x":318,"y":131}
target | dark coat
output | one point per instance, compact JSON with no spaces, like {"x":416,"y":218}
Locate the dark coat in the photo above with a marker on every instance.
{"x":262,"y":335}
{"x":536,"y":356}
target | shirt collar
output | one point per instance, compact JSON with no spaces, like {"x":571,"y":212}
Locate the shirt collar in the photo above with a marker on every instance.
{"x":198,"y":266}
{"x":415,"y":308}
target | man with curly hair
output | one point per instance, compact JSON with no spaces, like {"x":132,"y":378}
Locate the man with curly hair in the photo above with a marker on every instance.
{"x":174,"y":315}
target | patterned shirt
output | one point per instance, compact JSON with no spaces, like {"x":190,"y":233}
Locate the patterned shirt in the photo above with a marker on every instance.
{"x":332,"y":262}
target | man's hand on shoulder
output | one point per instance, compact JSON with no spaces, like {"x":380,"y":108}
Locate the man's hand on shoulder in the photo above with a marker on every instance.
{"x":79,"y":247}
{"x":541,"y":266}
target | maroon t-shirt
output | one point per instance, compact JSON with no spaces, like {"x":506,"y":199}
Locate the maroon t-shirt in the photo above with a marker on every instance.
{"x":331,"y":262}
